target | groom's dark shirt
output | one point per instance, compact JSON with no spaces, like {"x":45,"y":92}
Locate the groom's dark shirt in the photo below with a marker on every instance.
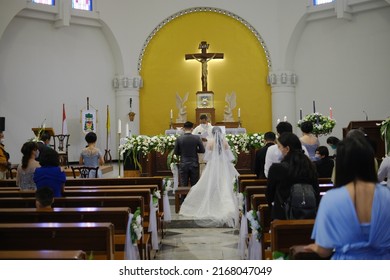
{"x":188,"y":146}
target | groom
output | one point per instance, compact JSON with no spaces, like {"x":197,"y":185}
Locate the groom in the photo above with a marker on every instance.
{"x":188,"y":146}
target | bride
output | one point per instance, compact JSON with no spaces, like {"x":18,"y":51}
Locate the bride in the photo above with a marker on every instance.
{"x":212,"y":197}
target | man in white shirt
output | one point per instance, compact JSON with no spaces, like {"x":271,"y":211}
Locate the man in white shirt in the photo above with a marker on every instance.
{"x":274,"y":155}
{"x":204,"y":128}
{"x":204,"y":131}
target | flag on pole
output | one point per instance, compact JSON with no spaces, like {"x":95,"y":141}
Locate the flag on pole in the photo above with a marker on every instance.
{"x":108,"y":124}
{"x":64,"y":124}
{"x":108,"y":127}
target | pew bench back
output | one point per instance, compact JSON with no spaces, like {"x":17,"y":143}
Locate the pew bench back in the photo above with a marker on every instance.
{"x":97,"y":238}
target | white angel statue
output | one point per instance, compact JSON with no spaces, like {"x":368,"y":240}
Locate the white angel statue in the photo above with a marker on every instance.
{"x":231,"y":104}
{"x":182,"y":115}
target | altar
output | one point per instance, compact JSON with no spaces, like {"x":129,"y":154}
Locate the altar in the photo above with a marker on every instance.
{"x":155,"y":164}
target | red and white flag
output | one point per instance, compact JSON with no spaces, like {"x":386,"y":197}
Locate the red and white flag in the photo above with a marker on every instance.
{"x":64,"y":124}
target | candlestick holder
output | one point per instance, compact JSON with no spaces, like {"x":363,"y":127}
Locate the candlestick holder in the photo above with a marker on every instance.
{"x":170,"y":124}
{"x":239,"y":122}
{"x":119,"y":156}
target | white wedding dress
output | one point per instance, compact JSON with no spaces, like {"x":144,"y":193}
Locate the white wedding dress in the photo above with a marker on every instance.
{"x":212,"y":201}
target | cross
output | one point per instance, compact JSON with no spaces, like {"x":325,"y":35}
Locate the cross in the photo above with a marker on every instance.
{"x":203,"y":58}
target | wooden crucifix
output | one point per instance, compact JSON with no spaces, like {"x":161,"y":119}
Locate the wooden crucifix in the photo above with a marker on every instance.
{"x":203,"y":58}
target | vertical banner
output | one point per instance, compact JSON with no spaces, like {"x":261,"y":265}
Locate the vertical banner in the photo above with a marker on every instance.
{"x":88,"y":120}
{"x":64,"y":130}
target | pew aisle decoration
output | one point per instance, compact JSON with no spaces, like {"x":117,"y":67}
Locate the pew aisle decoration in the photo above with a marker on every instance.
{"x":167,"y":186}
{"x":385,"y":132}
{"x":254,"y":246}
{"x":322,"y":125}
{"x":153,"y":219}
{"x":156,"y":197}
{"x":133,"y":234}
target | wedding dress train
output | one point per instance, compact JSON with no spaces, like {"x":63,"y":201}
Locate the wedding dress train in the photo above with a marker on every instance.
{"x":212,"y":201}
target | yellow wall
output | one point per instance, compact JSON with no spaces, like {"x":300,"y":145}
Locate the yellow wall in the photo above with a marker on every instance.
{"x":243,"y":70}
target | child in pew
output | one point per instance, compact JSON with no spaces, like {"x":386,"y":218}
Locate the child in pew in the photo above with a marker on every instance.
{"x":44,"y":198}
{"x":50,"y":173}
{"x":90,"y":155}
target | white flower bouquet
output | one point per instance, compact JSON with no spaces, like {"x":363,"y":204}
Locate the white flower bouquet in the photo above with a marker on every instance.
{"x":136,"y":227}
{"x":254,"y":224}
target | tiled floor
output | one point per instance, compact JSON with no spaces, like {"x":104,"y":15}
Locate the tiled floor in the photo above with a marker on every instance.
{"x":187,"y":240}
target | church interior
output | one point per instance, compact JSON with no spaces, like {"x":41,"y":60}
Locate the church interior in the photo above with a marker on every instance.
{"x":134,"y":61}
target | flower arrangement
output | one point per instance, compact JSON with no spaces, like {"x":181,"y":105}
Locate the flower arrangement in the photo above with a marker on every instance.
{"x":254,"y":224}
{"x":256,"y":140}
{"x":322,"y":125}
{"x":136,"y":227}
{"x":141,"y":145}
{"x":155,"y":197}
{"x":385,"y":132}
{"x":167,"y":185}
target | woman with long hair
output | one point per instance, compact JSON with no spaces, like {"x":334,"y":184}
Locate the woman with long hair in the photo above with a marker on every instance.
{"x":212,"y":199}
{"x":353,"y":220}
{"x":25,"y":172}
{"x":294,"y":168}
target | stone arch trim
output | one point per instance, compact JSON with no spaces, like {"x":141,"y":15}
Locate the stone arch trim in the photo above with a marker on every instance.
{"x":203,"y":9}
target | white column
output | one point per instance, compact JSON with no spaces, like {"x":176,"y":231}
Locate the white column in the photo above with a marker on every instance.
{"x":283,"y":97}
{"x":127,"y":94}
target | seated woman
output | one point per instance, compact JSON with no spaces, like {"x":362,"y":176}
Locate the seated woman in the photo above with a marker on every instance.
{"x":294,"y":168}
{"x":50,"y":173}
{"x":25,"y":173}
{"x":353,"y":221}
{"x":90,"y":155}
{"x":308,"y":139}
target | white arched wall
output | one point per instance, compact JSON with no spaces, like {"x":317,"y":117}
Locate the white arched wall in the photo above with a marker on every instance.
{"x":37,"y":77}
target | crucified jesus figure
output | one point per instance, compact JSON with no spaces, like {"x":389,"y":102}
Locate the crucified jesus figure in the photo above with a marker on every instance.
{"x":204,"y":58}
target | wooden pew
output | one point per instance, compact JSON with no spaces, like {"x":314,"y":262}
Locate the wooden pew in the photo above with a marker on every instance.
{"x":125,"y":187}
{"x":252,"y":190}
{"x":8,"y":183}
{"x":43,"y":255}
{"x":16,"y":193}
{"x":118,"y":216}
{"x":89,"y":237}
{"x":145,"y":193}
{"x":251,"y":182}
{"x":287,"y":233}
{"x":131,"y":202}
{"x":265,"y":223}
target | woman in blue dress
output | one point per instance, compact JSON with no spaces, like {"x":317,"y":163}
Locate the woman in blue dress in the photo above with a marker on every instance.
{"x":353,"y":220}
{"x":91,"y":156}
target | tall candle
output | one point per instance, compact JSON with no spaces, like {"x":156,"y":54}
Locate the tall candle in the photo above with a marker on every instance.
{"x":330,"y":112}
{"x":239,"y":112}
{"x":300,"y":114}
{"x":171,"y":114}
{"x":314,"y":106}
{"x":119,"y":126}
{"x":127,"y":130}
{"x":285,"y":118}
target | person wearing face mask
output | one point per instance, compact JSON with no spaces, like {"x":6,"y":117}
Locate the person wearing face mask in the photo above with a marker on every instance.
{"x":4,"y":157}
{"x":204,"y":130}
{"x":324,"y":164}
{"x":294,"y":168}
{"x":25,"y":174}
{"x":332,"y":142}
